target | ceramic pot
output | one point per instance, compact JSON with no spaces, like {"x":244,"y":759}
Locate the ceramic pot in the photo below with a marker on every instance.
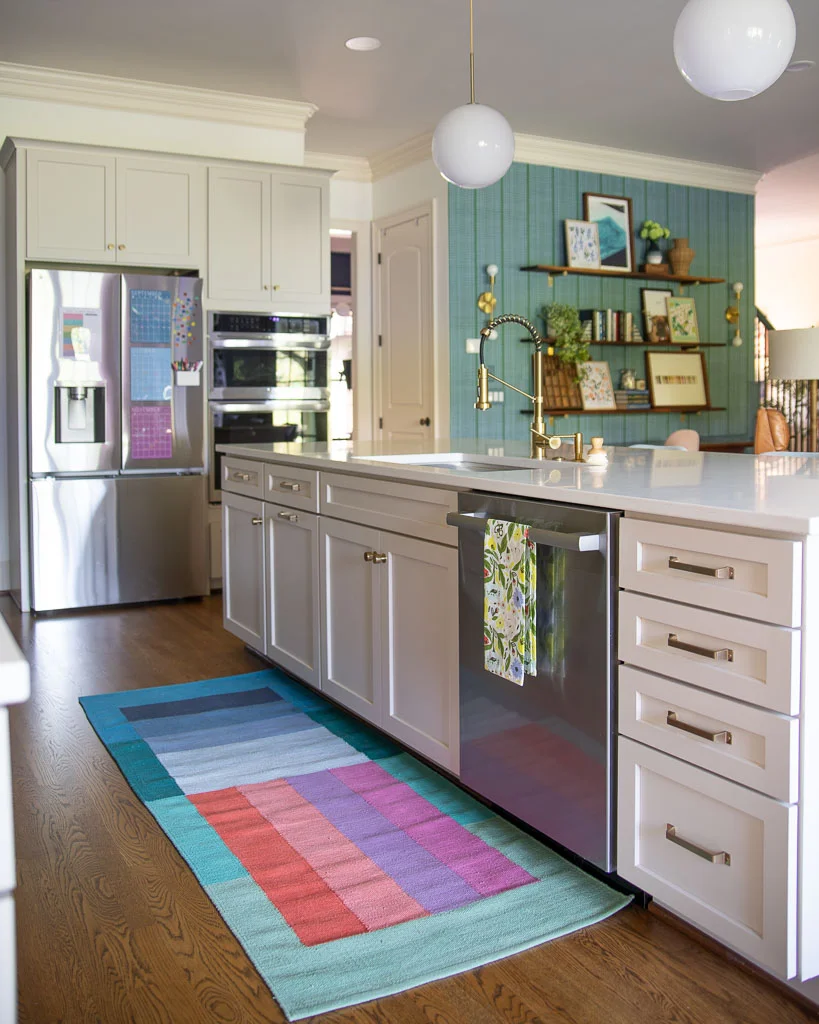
{"x":654,"y":254}
{"x":681,"y":256}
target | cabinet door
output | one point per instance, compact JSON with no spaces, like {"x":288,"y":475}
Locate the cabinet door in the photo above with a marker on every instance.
{"x":300,"y":236}
{"x":351,"y":638}
{"x":160,"y":212}
{"x":70,"y":206}
{"x":238,"y":234}
{"x":243,"y":596}
{"x":292,"y":581}
{"x":419,"y":653}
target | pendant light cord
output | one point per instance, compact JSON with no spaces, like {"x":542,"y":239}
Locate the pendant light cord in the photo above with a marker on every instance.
{"x":471,"y":54}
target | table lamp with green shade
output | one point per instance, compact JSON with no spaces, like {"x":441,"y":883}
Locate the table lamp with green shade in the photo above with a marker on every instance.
{"x":794,"y":355}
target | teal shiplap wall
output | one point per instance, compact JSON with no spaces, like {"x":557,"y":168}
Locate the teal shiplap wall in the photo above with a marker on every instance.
{"x":519,"y":221}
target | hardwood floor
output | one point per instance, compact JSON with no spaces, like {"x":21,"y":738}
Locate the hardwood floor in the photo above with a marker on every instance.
{"x":112,"y":926}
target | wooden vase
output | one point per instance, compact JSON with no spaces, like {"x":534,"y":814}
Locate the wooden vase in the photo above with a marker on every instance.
{"x":681,"y":256}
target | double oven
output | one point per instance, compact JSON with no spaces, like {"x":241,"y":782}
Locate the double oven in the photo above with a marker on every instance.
{"x":268,"y":381}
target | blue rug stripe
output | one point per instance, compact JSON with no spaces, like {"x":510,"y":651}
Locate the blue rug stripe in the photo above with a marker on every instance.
{"x":162,"y":727}
{"x":196,"y":705}
{"x":146,"y":774}
{"x":201,"y":688}
{"x":229,"y":735}
{"x":358,"y":734}
{"x":200,"y":845}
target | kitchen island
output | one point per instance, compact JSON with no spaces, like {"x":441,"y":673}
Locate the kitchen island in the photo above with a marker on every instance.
{"x":340,"y":566}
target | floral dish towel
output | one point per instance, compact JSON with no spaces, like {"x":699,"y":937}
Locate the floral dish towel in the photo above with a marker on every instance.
{"x":509,"y":588}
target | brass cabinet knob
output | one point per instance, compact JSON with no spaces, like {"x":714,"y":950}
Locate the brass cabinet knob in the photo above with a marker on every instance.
{"x":379,"y":559}
{"x":266,"y":287}
{"x":257,"y":521}
{"x":369,"y":556}
{"x":110,"y":245}
{"x":120,"y":247}
{"x":425,"y":421}
{"x":276,"y":287}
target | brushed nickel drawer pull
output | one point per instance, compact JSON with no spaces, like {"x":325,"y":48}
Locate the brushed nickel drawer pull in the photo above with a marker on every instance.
{"x":723,"y":736}
{"x":257,"y":521}
{"x":291,"y":517}
{"x":724,"y":572}
{"x":715,"y":857}
{"x":241,"y":476}
{"x":286,"y":485}
{"x":722,"y":654}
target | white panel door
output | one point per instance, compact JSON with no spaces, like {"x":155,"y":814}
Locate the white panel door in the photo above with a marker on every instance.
{"x":238,"y":234}
{"x":300,"y":238}
{"x":406,"y":329}
{"x":351,"y":637}
{"x":160,"y":212}
{"x":419,"y":653}
{"x":292,"y":581}
{"x":243,"y":591}
{"x":70,"y":206}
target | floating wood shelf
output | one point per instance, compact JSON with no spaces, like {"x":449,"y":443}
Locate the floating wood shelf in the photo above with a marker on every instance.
{"x":635,"y":275}
{"x":643,"y":344}
{"x":685,"y":410}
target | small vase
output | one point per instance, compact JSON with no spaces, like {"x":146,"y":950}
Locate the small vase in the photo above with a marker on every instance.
{"x":681,"y":256}
{"x":654,"y":254}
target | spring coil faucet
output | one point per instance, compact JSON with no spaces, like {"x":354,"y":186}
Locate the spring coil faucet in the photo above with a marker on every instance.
{"x":540,"y":439}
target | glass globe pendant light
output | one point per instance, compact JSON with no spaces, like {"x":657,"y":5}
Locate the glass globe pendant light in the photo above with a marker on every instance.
{"x":473,"y":145}
{"x":734,"y":49}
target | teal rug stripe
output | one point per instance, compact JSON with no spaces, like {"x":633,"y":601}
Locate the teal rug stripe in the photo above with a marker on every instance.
{"x":308,"y":980}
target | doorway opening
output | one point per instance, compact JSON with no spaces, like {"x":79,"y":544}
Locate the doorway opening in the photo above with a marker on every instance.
{"x":342,"y":333}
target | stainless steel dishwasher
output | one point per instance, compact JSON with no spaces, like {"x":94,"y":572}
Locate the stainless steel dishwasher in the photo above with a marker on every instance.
{"x":544,"y":751}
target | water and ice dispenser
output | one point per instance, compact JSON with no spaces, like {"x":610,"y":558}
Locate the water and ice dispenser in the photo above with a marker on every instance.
{"x":80,"y":412}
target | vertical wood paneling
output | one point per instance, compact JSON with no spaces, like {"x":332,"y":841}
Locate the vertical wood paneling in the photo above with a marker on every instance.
{"x":520,"y":221}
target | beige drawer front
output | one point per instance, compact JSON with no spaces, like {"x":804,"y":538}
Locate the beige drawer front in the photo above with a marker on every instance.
{"x":671,"y":817}
{"x":243,"y":476}
{"x":292,"y":486}
{"x":401,"y":508}
{"x":756,"y":748}
{"x":751,"y":661}
{"x":755,"y":577}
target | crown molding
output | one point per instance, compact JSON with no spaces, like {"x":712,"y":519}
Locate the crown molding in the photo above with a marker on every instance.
{"x":582,"y":156}
{"x":34,"y":83}
{"x":406,"y":154}
{"x":347,"y":168}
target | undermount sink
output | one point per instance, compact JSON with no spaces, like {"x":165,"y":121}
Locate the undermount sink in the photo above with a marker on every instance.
{"x":463,"y":461}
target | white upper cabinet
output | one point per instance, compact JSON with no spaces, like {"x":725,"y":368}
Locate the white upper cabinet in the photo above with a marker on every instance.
{"x":269,"y":239}
{"x":160,"y":212}
{"x":92,"y":208}
{"x":238,"y":234}
{"x":70,"y":206}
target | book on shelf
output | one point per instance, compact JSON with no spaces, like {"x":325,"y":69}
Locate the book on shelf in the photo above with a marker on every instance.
{"x":609,"y":325}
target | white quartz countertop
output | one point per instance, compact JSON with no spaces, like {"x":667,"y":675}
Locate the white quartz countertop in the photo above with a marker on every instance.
{"x":779,"y":493}
{"x":14,"y":671}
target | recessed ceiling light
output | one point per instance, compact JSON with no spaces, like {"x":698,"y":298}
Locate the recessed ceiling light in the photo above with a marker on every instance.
{"x":801,"y":65}
{"x":363,"y":43}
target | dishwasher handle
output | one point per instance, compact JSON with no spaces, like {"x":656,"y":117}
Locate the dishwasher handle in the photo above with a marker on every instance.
{"x":551,"y":538}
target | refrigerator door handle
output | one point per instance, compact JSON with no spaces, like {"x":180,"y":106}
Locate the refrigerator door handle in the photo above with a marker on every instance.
{"x":538,"y":535}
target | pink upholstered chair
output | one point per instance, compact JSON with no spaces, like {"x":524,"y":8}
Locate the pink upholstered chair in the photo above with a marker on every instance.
{"x":688,"y":439}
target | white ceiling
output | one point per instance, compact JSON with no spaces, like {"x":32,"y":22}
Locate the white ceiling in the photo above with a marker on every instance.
{"x":787,"y":203}
{"x":589,"y":70}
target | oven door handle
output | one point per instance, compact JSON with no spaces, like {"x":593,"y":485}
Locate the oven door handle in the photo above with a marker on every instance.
{"x":537,"y":534}
{"x":311,"y":405}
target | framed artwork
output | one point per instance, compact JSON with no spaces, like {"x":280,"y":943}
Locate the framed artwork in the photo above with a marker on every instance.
{"x":582,"y":245}
{"x":677,"y":379}
{"x":596,"y":391}
{"x":682,"y":320}
{"x":612,"y":215}
{"x":656,"y":314}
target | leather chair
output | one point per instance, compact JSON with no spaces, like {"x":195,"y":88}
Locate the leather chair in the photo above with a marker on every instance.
{"x":772,"y":432}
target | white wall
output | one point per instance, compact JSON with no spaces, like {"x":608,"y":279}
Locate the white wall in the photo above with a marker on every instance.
{"x":402,"y":191}
{"x":787,"y":283}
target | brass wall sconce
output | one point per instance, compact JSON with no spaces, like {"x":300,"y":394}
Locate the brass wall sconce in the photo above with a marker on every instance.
{"x":487,"y":300}
{"x":732,"y":313}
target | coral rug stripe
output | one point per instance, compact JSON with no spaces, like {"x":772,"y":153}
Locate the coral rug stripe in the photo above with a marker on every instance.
{"x":375,"y":898}
{"x":302,"y":897}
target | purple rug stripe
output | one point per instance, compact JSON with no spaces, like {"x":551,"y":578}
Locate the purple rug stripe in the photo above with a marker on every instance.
{"x":483,"y":868}
{"x":436,"y":887}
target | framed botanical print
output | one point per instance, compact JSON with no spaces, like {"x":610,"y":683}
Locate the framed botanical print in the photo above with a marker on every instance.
{"x":596,"y":390}
{"x":582,"y":245}
{"x":682,"y":320}
{"x":612,"y":215}
{"x":677,"y":380}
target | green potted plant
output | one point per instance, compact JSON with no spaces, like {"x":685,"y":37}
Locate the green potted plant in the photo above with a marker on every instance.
{"x":653,"y":232}
{"x":563,"y":326}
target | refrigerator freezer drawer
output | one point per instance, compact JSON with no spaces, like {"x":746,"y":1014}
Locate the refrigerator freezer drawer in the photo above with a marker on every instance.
{"x":117,"y":540}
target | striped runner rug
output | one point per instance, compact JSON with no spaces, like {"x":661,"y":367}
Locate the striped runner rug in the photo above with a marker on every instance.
{"x":346,"y":868}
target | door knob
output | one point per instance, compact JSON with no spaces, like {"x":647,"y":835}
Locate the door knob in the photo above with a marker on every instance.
{"x":425,"y":422}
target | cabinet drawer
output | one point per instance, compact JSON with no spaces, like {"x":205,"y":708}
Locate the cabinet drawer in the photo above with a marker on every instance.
{"x":756,"y":577}
{"x":756,"y":748}
{"x":751,"y":661}
{"x":401,"y":508}
{"x":673,"y":817}
{"x":242,"y":476}
{"x":288,"y":485}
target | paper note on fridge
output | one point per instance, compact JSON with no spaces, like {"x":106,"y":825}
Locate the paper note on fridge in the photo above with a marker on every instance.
{"x":81,"y":334}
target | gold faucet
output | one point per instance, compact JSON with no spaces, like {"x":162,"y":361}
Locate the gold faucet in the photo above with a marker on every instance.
{"x":540,"y":439}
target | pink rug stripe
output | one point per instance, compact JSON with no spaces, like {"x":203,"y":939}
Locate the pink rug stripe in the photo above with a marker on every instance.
{"x":480,"y":865}
{"x":375,"y":898}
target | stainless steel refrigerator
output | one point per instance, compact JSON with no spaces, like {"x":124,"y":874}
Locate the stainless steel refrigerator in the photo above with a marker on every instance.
{"x":115,"y":439}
